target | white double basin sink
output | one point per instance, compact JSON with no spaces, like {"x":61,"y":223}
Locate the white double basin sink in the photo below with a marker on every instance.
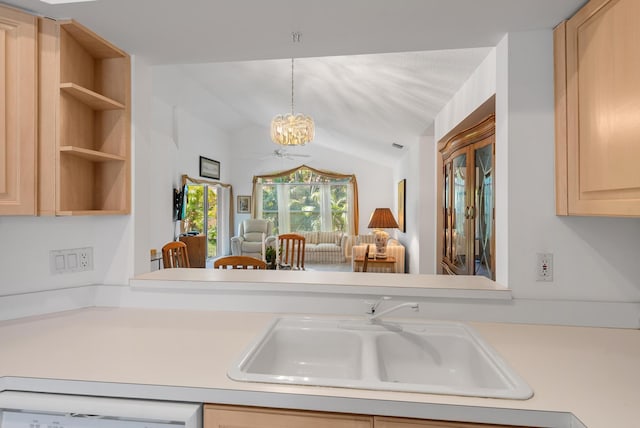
{"x":427,"y":357}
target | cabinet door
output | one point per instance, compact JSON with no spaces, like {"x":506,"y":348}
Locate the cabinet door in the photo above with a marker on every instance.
{"x":461,"y":234}
{"x":18,"y":104}
{"x":388,"y":422}
{"x":216,"y":416}
{"x":482,"y":215}
{"x":602,"y":109}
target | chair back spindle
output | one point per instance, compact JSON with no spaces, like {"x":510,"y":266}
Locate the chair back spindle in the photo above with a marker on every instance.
{"x":292,"y":247}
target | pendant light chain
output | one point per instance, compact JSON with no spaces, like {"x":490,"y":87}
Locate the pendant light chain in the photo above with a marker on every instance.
{"x":291,"y":86}
{"x":295,"y":36}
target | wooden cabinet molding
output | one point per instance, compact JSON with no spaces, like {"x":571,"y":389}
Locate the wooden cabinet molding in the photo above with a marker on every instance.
{"x":18,"y":112}
{"x":597,"y":103}
{"x":219,"y":416}
{"x":390,"y":422}
{"x":225,"y":416}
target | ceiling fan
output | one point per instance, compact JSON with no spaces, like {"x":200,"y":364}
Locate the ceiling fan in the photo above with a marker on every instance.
{"x":283,"y":154}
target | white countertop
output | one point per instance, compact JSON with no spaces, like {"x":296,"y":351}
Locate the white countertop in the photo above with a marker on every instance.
{"x":593,"y":373}
{"x":447,"y":286}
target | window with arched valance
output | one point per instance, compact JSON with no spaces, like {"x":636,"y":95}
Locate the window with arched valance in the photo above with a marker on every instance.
{"x":306,"y":199}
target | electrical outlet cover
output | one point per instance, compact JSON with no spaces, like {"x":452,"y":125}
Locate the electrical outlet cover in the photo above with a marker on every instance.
{"x":544,"y":267}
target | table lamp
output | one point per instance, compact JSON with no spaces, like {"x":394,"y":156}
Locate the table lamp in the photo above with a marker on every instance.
{"x":382,"y":218}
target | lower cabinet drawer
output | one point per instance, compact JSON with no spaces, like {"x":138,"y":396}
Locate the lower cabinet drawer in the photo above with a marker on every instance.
{"x":216,"y":416}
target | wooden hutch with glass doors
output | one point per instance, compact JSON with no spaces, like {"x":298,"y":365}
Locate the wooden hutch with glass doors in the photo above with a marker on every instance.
{"x":467,"y":203}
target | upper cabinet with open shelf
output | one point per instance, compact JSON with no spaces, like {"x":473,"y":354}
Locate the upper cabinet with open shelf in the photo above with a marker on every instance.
{"x":597,"y":105}
{"x":88,"y":81}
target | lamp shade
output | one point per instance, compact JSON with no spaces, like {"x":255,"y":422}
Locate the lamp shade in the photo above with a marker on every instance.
{"x":382,"y":218}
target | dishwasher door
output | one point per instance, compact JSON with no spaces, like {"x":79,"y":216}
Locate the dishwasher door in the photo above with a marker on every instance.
{"x":40,"y":410}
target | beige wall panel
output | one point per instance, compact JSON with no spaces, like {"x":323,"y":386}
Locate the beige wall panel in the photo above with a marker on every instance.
{"x":76,"y":65}
{"x":110,"y":178}
{"x":76,"y":123}
{"x":77,"y":174}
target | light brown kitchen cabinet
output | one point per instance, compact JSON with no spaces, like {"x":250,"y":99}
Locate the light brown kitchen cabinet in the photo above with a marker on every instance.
{"x":597,"y":96}
{"x":218,"y":416}
{"x":85,"y":110}
{"x":387,"y":422}
{"x":224,"y":416}
{"x":18,"y":112}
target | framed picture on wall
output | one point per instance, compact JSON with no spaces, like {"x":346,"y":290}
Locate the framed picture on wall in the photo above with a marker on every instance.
{"x":209,"y":168}
{"x":402,"y":187}
{"x":244,"y":204}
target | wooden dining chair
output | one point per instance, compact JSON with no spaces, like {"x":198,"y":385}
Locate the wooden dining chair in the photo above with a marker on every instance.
{"x":175,"y":255}
{"x":292,"y":247}
{"x":239,"y":262}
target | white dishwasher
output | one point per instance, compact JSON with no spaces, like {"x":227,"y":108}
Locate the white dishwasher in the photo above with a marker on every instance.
{"x":41,"y":410}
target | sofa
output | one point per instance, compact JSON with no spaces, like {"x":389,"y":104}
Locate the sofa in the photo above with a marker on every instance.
{"x":394,"y":249}
{"x":324,"y":247}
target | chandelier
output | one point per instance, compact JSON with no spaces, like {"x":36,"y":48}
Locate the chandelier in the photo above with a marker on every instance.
{"x":292,"y":129}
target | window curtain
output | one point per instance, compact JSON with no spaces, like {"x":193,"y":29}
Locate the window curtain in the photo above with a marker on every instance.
{"x":225,"y":211}
{"x":352,"y":198}
{"x":284,"y":221}
{"x":256,"y":201}
{"x":225,"y":223}
{"x":325,"y":208}
{"x":352,"y":190}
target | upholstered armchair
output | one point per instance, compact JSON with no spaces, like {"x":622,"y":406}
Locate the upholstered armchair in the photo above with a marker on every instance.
{"x":251,"y":234}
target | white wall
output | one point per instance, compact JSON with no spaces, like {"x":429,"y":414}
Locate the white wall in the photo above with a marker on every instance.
{"x":252,"y":150}
{"x":143,"y":183}
{"x":178,"y":141}
{"x":418,"y":167}
{"x":594,"y":258}
{"x":24,"y":255}
{"x":478,"y":88}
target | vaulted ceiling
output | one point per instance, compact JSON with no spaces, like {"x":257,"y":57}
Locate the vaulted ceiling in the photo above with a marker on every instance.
{"x":370,"y":72}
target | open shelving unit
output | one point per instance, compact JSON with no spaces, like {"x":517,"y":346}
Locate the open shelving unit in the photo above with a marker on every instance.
{"x":92,"y":93}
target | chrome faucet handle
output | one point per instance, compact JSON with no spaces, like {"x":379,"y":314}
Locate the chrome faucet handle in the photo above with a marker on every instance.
{"x":373,"y":306}
{"x":376,"y":316}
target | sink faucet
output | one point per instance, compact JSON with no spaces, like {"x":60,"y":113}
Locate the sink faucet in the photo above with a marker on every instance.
{"x":374,"y":314}
{"x":374,"y":305}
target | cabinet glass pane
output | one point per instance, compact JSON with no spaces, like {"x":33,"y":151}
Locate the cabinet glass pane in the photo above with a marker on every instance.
{"x":459,"y":235}
{"x":484,"y":211}
{"x":446,"y":203}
